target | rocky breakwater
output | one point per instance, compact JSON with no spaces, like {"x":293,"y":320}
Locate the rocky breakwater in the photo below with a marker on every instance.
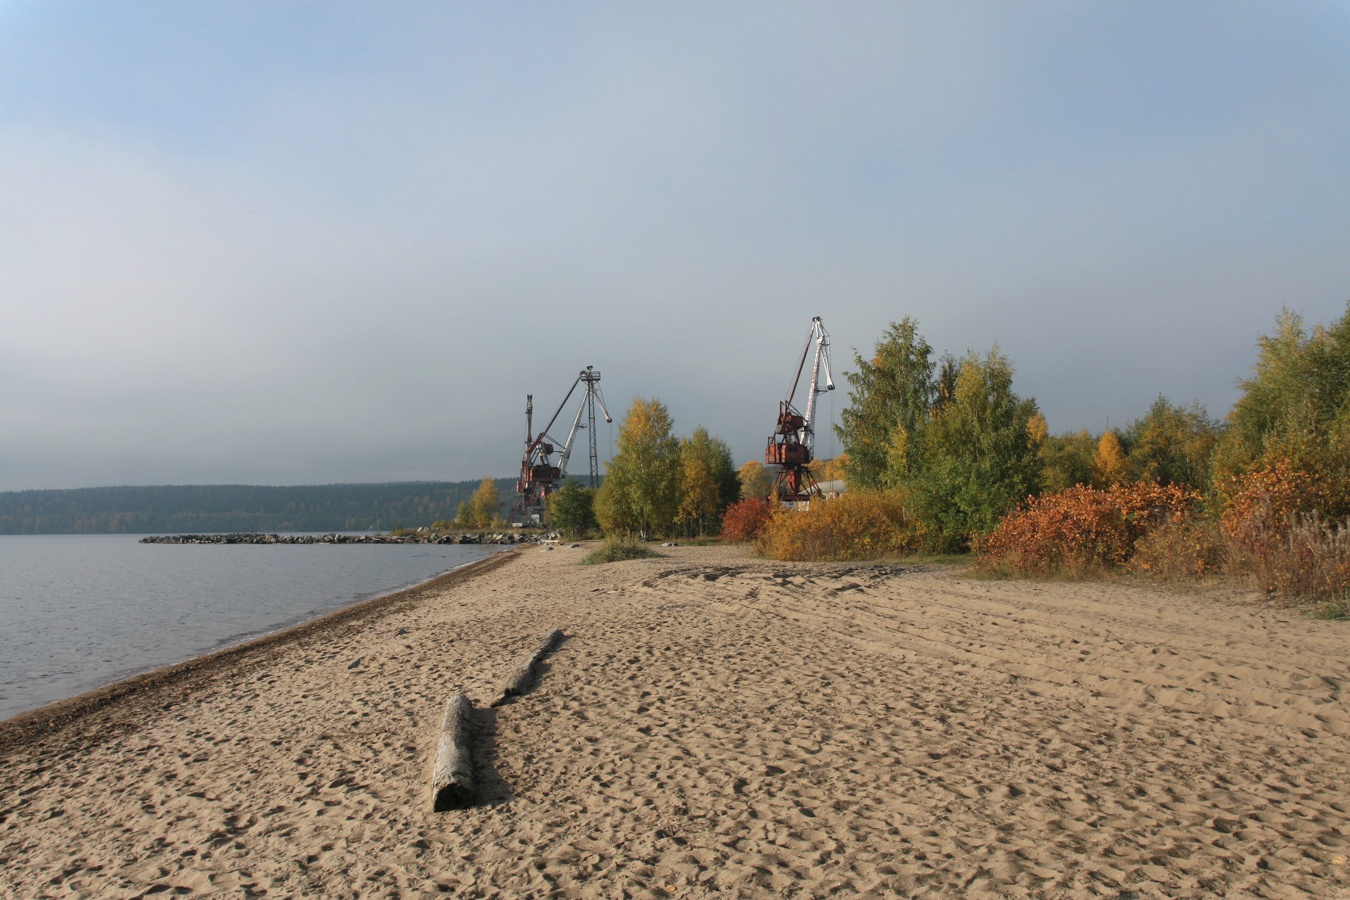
{"x":421,"y":536}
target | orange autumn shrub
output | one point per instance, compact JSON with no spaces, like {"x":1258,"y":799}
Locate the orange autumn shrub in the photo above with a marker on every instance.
{"x":1189,"y":549}
{"x":1262,"y":505}
{"x":746,"y":519}
{"x":1081,"y":530}
{"x":1277,"y":539}
{"x":850,"y":527}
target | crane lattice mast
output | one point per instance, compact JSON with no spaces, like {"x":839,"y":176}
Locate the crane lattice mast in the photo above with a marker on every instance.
{"x":539,"y":476}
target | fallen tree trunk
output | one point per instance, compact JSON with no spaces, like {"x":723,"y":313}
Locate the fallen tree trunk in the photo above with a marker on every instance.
{"x":518,"y":682}
{"x":452,"y":783}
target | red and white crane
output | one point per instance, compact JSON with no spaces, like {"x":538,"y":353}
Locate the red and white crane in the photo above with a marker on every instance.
{"x":792,"y":444}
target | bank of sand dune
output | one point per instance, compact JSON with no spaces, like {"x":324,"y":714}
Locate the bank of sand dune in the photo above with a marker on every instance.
{"x":714,"y":725}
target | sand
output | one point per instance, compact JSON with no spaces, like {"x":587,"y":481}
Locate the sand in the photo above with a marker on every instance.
{"x":714,"y":725}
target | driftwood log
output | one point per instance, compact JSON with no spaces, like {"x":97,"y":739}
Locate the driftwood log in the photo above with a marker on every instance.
{"x":452,"y":783}
{"x":518,"y":682}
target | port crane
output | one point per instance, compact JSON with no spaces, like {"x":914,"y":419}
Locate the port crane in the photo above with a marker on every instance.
{"x":792,"y":444}
{"x":539,"y":473}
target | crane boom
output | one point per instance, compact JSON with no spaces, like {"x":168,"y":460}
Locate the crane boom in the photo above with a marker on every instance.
{"x":822,"y":341}
{"x":792,"y":444}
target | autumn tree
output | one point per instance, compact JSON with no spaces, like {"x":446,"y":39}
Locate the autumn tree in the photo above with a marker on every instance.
{"x":571,"y":509}
{"x":950,"y":437}
{"x":1295,"y":410}
{"x":698,"y":497}
{"x":979,"y":455}
{"x":835,"y":469}
{"x":890,"y":400}
{"x":640,"y":494}
{"x":1109,"y":464}
{"x":1066,"y":461}
{"x":756,"y":480}
{"x":481,"y":510}
{"x":1172,"y":445}
{"x":708,"y":483}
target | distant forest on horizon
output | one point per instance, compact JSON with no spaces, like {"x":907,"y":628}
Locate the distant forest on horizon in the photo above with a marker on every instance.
{"x":189,"y":509}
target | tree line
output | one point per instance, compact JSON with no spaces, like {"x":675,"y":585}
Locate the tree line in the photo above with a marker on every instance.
{"x":950,"y":441}
{"x":964,"y":450}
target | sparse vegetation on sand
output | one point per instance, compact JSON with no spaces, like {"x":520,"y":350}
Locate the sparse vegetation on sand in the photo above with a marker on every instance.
{"x":616,"y":550}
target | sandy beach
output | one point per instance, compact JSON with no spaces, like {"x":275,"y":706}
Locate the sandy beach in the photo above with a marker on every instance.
{"x":713,"y":725}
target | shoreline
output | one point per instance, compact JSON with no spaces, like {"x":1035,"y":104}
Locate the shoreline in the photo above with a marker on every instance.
{"x":715,"y":725}
{"x":51,"y":718}
{"x":420,"y":536}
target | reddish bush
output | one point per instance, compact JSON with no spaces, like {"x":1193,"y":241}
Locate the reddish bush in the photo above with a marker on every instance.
{"x":1263,"y":505}
{"x":1276,"y":538}
{"x":1081,"y":530}
{"x":746,"y":519}
{"x":1270,"y":533}
{"x":1179,"y":551}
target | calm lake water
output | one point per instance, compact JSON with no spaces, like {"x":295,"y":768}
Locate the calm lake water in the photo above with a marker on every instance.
{"x":79,"y":611}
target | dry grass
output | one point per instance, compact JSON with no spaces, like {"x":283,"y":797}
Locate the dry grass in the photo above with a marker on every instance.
{"x":617,"y":550}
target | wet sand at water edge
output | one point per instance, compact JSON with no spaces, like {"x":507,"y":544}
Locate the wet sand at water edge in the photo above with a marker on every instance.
{"x":713,"y":725}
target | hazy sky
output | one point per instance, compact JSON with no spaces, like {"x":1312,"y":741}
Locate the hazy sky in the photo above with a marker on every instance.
{"x":295,"y":243}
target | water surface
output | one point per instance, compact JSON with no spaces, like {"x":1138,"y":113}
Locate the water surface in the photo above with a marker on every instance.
{"x":79,"y":611}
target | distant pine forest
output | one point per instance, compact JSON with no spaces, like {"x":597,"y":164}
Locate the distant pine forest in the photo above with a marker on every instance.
{"x":187,"y":509}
